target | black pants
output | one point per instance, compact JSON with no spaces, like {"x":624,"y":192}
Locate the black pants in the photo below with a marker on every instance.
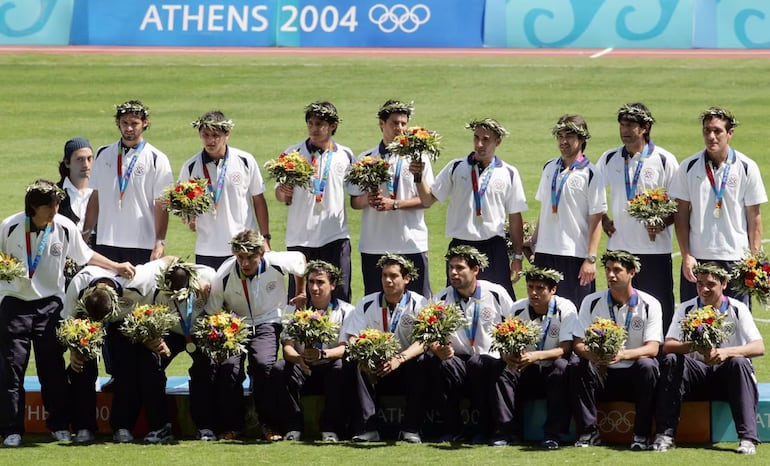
{"x":499,"y":270}
{"x":372,"y":274}
{"x":336,"y":253}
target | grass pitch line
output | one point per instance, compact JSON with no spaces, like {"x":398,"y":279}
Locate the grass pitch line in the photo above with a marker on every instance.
{"x":603,"y":52}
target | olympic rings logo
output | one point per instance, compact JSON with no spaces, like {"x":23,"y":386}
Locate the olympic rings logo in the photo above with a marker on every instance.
{"x":616,"y":421}
{"x":399,"y":16}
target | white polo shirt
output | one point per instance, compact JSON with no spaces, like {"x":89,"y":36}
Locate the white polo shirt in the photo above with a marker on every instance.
{"x":260,"y":299}
{"x":559,"y":327}
{"x":583,"y":195}
{"x":739,"y":326}
{"x":235,"y":211}
{"x":309,"y":225}
{"x":64,"y":240}
{"x":644,"y":324}
{"x":136,"y":292}
{"x":205,"y":274}
{"x":132,"y":225}
{"x":368,"y":313}
{"x":78,"y":200}
{"x":504,"y":195}
{"x":725,"y":238}
{"x":657,"y":171}
{"x":400,"y":231}
{"x":494,"y":307}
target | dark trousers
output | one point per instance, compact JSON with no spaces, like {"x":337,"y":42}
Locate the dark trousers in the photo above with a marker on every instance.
{"x":287,"y":386}
{"x":733,"y":380}
{"x":636,"y":384}
{"x":373,"y":275}
{"x":569,"y":288}
{"x":409,"y":379}
{"x":23,"y":325}
{"x":688,"y":290}
{"x":336,"y":253}
{"x":657,"y":279}
{"x":534,"y":382}
{"x":212,"y":261}
{"x":499,"y":270}
{"x":83,"y":396}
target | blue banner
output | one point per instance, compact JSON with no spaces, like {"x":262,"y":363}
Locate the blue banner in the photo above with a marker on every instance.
{"x":35,"y":22}
{"x":308,"y":23}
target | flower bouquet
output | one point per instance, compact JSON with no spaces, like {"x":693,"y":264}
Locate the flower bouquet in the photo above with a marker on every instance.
{"x":605,"y":338}
{"x":291,"y":169}
{"x":526,"y":250}
{"x":10,"y":268}
{"x":149,"y":322}
{"x":188,"y":199}
{"x":369,"y":173}
{"x":310,"y":327}
{"x":703,"y":328}
{"x":221,"y":335}
{"x":416,"y":142}
{"x":751,"y":276}
{"x":514,"y":335}
{"x":436,"y":322}
{"x":651,"y":207}
{"x":82,"y":335}
{"x":372,"y":348}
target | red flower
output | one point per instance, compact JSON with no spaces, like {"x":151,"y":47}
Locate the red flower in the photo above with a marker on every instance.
{"x":92,"y":330}
{"x":432,"y":319}
{"x":213,"y":335}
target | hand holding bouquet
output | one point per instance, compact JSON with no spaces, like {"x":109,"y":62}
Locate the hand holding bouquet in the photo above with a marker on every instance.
{"x":436,"y":322}
{"x":10,"y":268}
{"x":82,"y":335}
{"x":751,"y":276}
{"x":221,"y":335}
{"x":310,"y":327}
{"x":416,"y":142}
{"x":188,"y":199}
{"x":605,"y":338}
{"x":369,"y":173}
{"x":372,"y":348}
{"x":703,"y":328}
{"x":514,"y":335}
{"x":652,"y":207}
{"x":148,"y":323}
{"x":291,"y":169}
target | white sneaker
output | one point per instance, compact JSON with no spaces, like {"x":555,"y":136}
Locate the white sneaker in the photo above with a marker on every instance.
{"x":747,"y":447}
{"x":330,"y":437}
{"x":164,"y":434}
{"x":13,"y":440}
{"x":62,"y":436}
{"x":123,"y":436}
{"x":293,"y":436}
{"x":206,"y":435}
{"x":84,"y":436}
{"x":663,"y":443}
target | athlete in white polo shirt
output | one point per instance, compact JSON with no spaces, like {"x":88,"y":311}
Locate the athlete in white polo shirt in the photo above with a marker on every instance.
{"x":572,"y":202}
{"x":393,"y":220}
{"x":317,"y":224}
{"x":236,"y":185}
{"x":127,"y":178}
{"x":719,"y":191}
{"x":628,"y":170}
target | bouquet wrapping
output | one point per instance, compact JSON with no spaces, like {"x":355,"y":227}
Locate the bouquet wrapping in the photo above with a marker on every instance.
{"x":372,"y":348}
{"x":221,"y":335}
{"x":703,"y":328}
{"x":10,"y":268}
{"x":82,"y":335}
{"x":416,"y":142}
{"x":310,"y":327}
{"x":188,"y":199}
{"x":751,"y":276}
{"x":436,"y":322}
{"x":514,"y":335}
{"x":369,"y":173}
{"x":651,"y":207}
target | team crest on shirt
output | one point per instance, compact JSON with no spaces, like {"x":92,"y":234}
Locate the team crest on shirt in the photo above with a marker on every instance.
{"x":236,"y":178}
{"x":732,"y":180}
{"x":487,"y":314}
{"x":576,"y":183}
{"x":271,"y":286}
{"x":553,"y":331}
{"x":648,"y":174}
{"x":339,"y":168}
{"x":729,"y":329}
{"x":637,"y":323}
{"x":498,"y":186}
{"x":407,"y":321}
{"x":56,"y":249}
{"x":139,"y":169}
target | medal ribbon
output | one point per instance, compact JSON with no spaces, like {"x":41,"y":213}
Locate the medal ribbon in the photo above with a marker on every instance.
{"x":319,"y":180}
{"x":471,"y":333}
{"x":217,"y":193}
{"x":556,"y":194}
{"x":396,"y":312}
{"x":631,"y":185}
{"x":632,"y":303}
{"x":186,"y":321}
{"x":722,"y":305}
{"x":393,"y":185}
{"x":547,"y":325}
{"x":33,"y":263}
{"x":478,"y":193}
{"x":720,"y":194}
{"x":123,"y":179}
{"x":246,"y":288}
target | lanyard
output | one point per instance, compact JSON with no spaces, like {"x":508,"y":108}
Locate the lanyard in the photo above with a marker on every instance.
{"x":632,"y":303}
{"x":246,"y":288}
{"x":186,"y":321}
{"x":547,"y":325}
{"x":478,"y":193}
{"x":217,"y":193}
{"x":393,"y":185}
{"x":124,"y":178}
{"x":471,"y":333}
{"x":719,"y":194}
{"x":319,"y":180}
{"x":396,"y":312}
{"x":722,"y":305}
{"x":556,"y":194}
{"x":631,"y":185}
{"x":33,"y":263}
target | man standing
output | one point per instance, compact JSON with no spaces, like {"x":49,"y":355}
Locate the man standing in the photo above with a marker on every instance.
{"x":236,"y":186}
{"x":317,"y":224}
{"x":75,"y":172}
{"x":718,"y":191}
{"x":394,"y":221}
{"x":572,"y":202}
{"x":492,"y":191}
{"x":724,"y":373}
{"x":633,"y":373}
{"x":468,"y":363}
{"x":628,"y":170}
{"x":392,"y":310}
{"x":541,"y":370}
{"x":127,"y":178}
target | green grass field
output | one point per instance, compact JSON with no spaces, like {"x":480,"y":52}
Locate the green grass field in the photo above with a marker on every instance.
{"x":47,"y":99}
